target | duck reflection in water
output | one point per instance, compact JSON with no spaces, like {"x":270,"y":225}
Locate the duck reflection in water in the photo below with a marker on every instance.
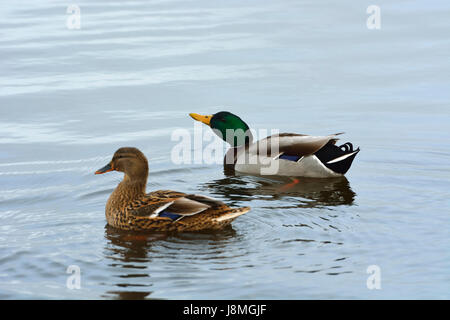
{"x":128,"y":253}
{"x":133,"y":253}
{"x":310,"y":192}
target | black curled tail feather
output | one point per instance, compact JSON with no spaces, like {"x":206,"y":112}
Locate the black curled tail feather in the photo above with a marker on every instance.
{"x":337,"y":158}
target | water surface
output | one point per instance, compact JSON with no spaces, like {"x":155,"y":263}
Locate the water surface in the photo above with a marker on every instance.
{"x":131,"y":75}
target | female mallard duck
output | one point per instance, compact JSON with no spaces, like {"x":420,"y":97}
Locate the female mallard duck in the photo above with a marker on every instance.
{"x":284,"y":154}
{"x":130,"y":208}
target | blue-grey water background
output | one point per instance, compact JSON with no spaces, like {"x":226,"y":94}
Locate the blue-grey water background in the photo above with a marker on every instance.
{"x":130,"y":76}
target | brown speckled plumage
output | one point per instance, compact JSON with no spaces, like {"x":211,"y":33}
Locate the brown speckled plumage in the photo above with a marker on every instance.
{"x":130,"y":208}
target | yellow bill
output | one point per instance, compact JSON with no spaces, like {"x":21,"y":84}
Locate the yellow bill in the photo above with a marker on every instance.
{"x":199,"y":117}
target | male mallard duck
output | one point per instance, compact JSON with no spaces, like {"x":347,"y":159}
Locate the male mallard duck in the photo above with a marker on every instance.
{"x":130,"y":208}
{"x":284,"y":154}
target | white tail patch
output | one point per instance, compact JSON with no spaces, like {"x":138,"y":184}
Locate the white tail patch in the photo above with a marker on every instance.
{"x":345,"y":156}
{"x":232,"y":215}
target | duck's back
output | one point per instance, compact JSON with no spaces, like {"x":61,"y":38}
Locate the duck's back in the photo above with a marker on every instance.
{"x":167,"y":210}
{"x":290,"y":154}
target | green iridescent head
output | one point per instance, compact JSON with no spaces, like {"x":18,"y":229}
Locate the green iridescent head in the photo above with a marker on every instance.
{"x":227,"y":126}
